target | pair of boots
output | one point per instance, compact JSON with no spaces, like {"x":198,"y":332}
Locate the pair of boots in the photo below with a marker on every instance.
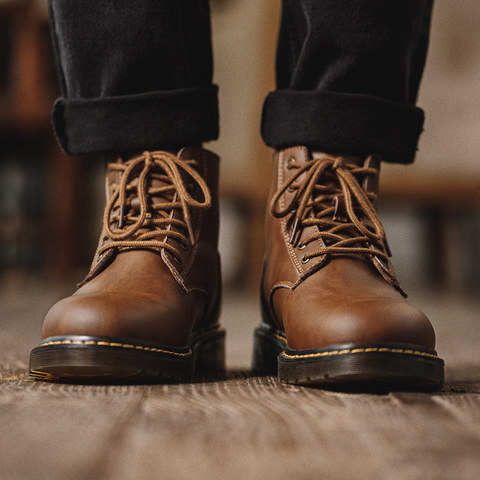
{"x":333,"y":311}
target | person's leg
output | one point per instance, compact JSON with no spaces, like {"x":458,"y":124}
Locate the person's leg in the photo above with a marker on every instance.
{"x":348,"y":75}
{"x":136,"y":80}
{"x":134,"y":74}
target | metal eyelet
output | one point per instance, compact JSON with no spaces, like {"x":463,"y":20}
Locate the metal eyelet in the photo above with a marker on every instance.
{"x":302,"y":246}
{"x":305,"y":260}
{"x":290,"y":189}
{"x":290,"y":162}
{"x":183,"y":246}
{"x":178,"y":260}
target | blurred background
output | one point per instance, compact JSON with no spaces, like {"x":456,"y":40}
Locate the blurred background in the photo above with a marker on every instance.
{"x":51,"y":205}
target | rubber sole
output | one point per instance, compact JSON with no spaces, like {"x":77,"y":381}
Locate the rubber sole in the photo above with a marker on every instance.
{"x":78,"y":359}
{"x":386,"y":365}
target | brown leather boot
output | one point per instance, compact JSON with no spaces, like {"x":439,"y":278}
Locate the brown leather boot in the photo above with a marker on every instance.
{"x":149,"y":307}
{"x":333,"y":310}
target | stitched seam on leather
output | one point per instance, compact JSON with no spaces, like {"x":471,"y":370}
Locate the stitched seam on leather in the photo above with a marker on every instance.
{"x":271,"y":309}
{"x":192,"y":257}
{"x":293,"y":255}
{"x":278,"y":285}
{"x":286,"y":236}
{"x":198,"y":227}
{"x":362,"y":350}
{"x":197,"y":288}
{"x":173,"y":270}
{"x":116,"y":345}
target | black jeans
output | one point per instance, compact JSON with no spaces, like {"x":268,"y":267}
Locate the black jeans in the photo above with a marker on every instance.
{"x":137,"y":74}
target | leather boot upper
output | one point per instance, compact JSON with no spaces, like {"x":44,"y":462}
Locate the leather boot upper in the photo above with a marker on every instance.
{"x":327,"y":276}
{"x":156,"y":273}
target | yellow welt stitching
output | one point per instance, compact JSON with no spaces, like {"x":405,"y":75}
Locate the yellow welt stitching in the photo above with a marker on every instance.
{"x":362,"y":350}
{"x":284,"y":340}
{"x":113,"y":344}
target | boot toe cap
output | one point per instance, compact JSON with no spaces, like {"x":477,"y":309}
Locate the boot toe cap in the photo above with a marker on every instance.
{"x":119,"y":316}
{"x":379,"y":321}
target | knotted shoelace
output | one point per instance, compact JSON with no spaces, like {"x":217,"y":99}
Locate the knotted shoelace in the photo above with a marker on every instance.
{"x":327,"y":183}
{"x":142,"y":228}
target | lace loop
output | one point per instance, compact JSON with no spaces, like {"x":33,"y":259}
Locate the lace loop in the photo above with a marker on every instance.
{"x":326,"y":182}
{"x":151,"y":221}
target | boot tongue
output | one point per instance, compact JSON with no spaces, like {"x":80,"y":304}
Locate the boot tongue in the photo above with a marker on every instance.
{"x":167,"y":196}
{"x":133,"y":204}
{"x":338,"y":202}
{"x":369,"y":182}
{"x":134,"y":200}
{"x":330,"y":199}
{"x":159,"y":192}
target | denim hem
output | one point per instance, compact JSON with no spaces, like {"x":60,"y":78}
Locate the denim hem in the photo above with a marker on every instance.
{"x":342,"y":123}
{"x":149,"y":121}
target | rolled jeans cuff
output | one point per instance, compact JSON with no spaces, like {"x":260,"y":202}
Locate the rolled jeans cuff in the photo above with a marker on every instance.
{"x":342,"y":123}
{"x":148,"y":121}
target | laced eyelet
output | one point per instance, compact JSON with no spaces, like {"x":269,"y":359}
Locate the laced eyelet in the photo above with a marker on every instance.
{"x":305,"y":260}
{"x":183,"y":246}
{"x":302,"y":246}
{"x":290,"y":163}
{"x":178,"y":260}
{"x":290,"y":189}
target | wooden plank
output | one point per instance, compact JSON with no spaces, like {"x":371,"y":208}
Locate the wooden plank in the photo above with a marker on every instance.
{"x":249,"y":428}
{"x":243,"y":427}
{"x":58,"y":432}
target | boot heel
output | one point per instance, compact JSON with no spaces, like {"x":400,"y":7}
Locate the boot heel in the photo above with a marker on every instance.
{"x":267,"y":346}
{"x":209,"y":348}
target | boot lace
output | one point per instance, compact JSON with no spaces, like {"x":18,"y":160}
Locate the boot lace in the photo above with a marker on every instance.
{"x":160,"y":184}
{"x":329,"y":183}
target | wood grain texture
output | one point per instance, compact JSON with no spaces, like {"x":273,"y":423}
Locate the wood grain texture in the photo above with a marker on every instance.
{"x":238,"y":426}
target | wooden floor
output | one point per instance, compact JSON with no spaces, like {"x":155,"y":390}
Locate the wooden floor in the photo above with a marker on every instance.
{"x":240,"y":426}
